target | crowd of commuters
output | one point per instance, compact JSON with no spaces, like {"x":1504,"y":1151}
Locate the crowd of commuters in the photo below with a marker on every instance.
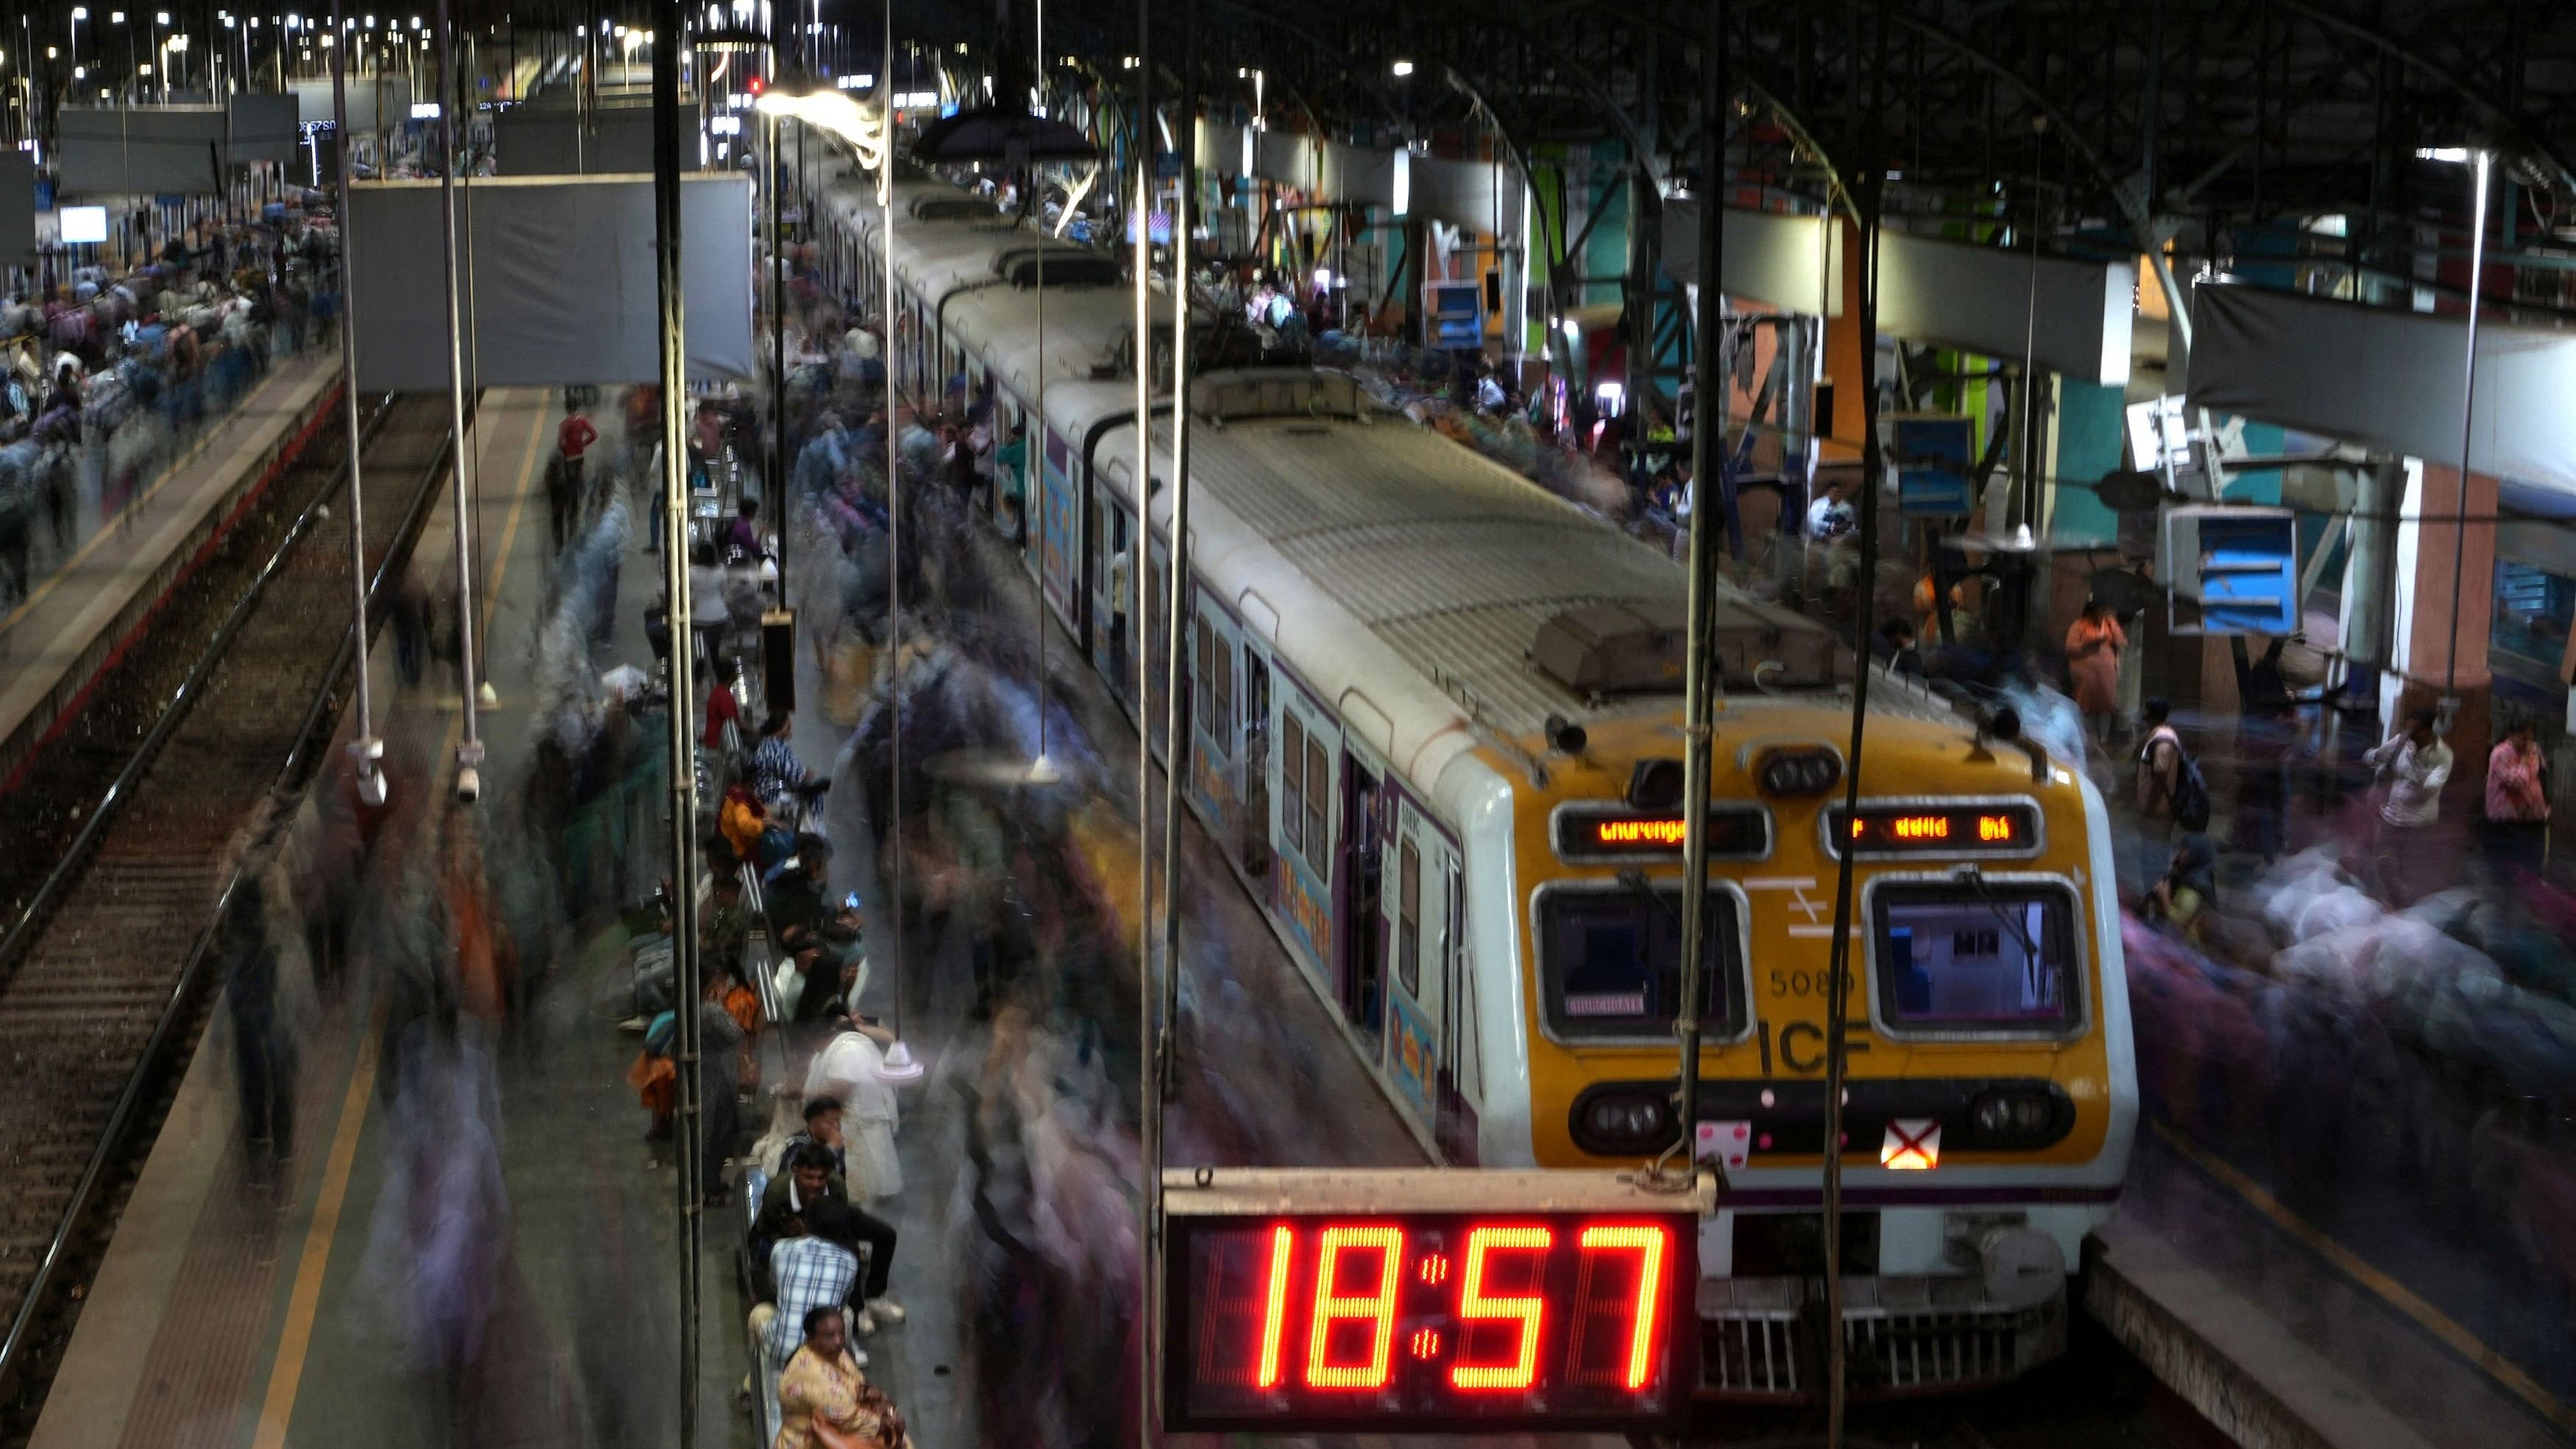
{"x":104,"y":375}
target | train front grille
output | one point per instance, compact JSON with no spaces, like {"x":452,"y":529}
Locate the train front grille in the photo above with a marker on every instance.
{"x":1763,"y":1338}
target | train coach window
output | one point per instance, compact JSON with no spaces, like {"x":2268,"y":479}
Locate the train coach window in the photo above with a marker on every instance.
{"x":1408,"y":920}
{"x":1610,"y":963}
{"x":1319,"y":801}
{"x":1975,"y":956}
{"x":1292,"y":783}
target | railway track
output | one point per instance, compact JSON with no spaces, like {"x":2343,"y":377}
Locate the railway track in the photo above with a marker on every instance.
{"x":102,"y":995}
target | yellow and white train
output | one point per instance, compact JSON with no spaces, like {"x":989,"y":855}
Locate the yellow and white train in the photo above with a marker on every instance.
{"x":1473,"y":852}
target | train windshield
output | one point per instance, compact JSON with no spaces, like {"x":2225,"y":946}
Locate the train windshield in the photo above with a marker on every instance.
{"x":1610,"y":962}
{"x":1975,"y":955}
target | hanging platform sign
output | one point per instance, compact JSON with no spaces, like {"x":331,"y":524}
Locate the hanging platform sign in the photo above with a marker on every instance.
{"x":562,"y":285}
{"x":2233,"y":570}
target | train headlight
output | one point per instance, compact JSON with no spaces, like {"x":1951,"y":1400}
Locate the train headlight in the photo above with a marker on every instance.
{"x":1620,"y":1123}
{"x":2031,"y":1116}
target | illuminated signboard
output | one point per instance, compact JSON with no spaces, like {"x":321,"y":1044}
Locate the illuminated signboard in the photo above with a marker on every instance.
{"x":1407,"y":1317}
{"x":1983,"y":828}
{"x":1739,"y":832}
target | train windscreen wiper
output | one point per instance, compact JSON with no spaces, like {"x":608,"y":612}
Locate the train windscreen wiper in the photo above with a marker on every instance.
{"x":1976,"y":880}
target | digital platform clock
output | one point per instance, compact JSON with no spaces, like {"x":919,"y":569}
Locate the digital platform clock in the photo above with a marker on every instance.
{"x":1560,"y":1301}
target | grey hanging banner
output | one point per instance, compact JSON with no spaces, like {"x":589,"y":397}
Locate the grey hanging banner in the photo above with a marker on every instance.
{"x":264,"y":128}
{"x":560,"y":141}
{"x":562,"y":282}
{"x":2388,"y":379}
{"x":17,"y":208}
{"x":139,"y":150}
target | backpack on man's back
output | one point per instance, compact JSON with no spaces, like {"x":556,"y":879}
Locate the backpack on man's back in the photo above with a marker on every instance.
{"x":2189,"y":801}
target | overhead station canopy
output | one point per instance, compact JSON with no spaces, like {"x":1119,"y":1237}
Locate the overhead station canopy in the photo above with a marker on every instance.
{"x":562,"y":286}
{"x":2071,"y":317}
{"x":140,"y":150}
{"x":17,"y":208}
{"x":2388,"y":379}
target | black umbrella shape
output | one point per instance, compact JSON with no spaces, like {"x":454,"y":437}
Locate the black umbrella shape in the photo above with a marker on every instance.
{"x":996,"y":133}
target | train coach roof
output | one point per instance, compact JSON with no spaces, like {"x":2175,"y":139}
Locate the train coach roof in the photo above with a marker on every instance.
{"x":1395,"y":563}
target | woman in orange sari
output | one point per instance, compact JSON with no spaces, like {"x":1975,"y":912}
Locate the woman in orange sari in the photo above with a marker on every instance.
{"x":2093,"y":645}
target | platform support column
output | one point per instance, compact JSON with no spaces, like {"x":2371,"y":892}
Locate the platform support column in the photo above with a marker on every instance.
{"x":689,"y":1131}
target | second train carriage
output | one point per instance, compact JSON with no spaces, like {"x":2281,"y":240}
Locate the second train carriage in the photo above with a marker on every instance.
{"x":1489,"y":909}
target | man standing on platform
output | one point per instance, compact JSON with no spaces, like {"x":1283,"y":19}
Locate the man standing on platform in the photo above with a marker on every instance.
{"x":564,"y":494}
{"x":2416,"y":765}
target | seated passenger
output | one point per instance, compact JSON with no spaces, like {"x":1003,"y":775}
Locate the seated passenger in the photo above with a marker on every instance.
{"x":778,"y":777}
{"x":809,"y":1186}
{"x":822,"y":1129}
{"x":2188,"y":887}
{"x":816,"y":1268}
{"x":741,"y":819}
{"x":794,"y":895}
{"x":822,"y":1385}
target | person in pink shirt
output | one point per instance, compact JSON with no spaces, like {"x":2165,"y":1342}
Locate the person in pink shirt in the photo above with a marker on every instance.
{"x":2517,"y":824}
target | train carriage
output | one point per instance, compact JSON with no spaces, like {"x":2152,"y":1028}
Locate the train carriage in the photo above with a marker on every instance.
{"x":1435,"y":720}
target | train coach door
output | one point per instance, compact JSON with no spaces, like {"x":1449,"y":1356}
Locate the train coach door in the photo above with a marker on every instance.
{"x":1110,"y":591}
{"x":1454,"y":1121}
{"x":1255,"y":835}
{"x":1417,"y":1018}
{"x":1362,"y":868}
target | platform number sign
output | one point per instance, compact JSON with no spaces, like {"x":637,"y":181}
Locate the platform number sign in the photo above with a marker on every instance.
{"x":1407,"y":1319}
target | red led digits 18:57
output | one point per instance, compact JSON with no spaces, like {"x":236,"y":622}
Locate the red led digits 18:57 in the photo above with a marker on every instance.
{"x":1425,"y":1318}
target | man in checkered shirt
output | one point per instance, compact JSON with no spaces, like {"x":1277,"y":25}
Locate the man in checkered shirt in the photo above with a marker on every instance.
{"x":815,"y":1270}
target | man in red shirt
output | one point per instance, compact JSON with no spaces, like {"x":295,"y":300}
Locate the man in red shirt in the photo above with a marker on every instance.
{"x":721,"y":704}
{"x":573,"y":439}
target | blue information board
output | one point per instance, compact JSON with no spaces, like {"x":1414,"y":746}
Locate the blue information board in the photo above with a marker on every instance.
{"x":1934,"y":453}
{"x":2249,"y":573}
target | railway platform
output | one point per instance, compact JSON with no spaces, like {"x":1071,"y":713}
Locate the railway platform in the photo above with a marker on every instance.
{"x":198,"y":1326}
{"x":244,"y":1305}
{"x":79,"y":616}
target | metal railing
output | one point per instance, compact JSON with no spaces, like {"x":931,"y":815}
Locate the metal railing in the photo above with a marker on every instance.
{"x":138,"y":1082}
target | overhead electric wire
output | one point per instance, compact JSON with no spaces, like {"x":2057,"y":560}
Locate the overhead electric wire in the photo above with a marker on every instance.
{"x":1708,"y":463}
{"x":1838,"y":955}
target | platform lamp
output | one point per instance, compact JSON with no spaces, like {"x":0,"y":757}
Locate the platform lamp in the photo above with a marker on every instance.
{"x":869,"y":133}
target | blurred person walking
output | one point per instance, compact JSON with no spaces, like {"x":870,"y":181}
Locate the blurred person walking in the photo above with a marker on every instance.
{"x":845,"y":1074}
{"x":2516,"y":837}
{"x":2161,"y":764}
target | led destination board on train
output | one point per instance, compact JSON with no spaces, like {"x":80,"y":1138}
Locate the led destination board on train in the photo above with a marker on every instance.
{"x":1388,"y":1320}
{"x":1988,"y":829}
{"x":1626,"y":834}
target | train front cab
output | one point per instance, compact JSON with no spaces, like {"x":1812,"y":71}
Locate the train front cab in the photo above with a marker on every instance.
{"x":1991,"y":1091}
